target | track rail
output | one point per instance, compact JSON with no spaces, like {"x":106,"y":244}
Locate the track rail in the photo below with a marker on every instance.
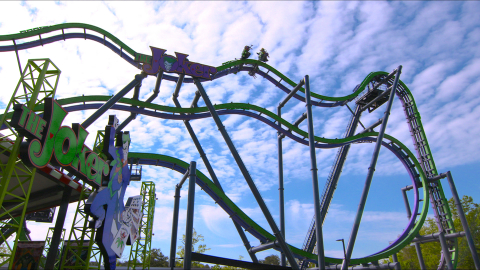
{"x":425,"y":168}
{"x":251,"y":226}
{"x":164,"y":112}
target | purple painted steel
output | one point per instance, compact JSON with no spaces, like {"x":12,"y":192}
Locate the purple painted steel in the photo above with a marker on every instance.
{"x":28,"y":45}
{"x":407,"y":164}
{"x":31,"y":44}
{"x":396,"y":152}
{"x":256,"y":234}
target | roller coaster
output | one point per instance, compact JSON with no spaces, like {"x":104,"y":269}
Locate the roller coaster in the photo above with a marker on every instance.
{"x":377,"y":89}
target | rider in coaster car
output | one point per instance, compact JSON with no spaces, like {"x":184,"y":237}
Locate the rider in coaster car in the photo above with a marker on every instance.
{"x":246,"y":52}
{"x":263,"y":55}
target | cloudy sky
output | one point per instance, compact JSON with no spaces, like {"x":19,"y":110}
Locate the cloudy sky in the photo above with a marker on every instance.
{"x":336,"y":43}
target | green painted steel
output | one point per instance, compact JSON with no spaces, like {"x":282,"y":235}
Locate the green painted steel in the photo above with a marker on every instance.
{"x":63,"y":26}
{"x":82,"y":99}
{"x":230,"y":64}
{"x":141,"y":250}
{"x":289,"y":125}
{"x":39,"y":78}
{"x":80,"y":234}
{"x":295,"y":250}
{"x":74,"y":100}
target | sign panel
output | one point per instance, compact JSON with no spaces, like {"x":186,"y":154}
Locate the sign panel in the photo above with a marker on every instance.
{"x":28,"y":255}
{"x":50,"y":142}
{"x":176,"y":64}
{"x":74,"y":252}
{"x":115,"y":223}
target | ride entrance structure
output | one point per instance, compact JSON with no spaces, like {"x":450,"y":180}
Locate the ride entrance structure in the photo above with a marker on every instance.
{"x":36,"y":153}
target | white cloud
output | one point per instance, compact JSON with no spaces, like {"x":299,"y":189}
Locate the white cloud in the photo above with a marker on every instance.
{"x":336,"y":43}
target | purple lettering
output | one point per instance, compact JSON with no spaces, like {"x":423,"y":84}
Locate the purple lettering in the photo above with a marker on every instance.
{"x":157,"y":54}
{"x":196,"y":69}
{"x":182,"y":64}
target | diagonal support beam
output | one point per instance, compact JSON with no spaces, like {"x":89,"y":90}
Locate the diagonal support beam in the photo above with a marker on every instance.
{"x":463,"y":219}
{"x":291,"y":94}
{"x":154,"y":95}
{"x":248,"y":178}
{"x":138,"y":80}
{"x":371,"y":170}
{"x":195,"y":100}
{"x":296,"y":123}
{"x":209,"y":166}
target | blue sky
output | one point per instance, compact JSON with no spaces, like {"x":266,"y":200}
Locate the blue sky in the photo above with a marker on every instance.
{"x":336,"y":43}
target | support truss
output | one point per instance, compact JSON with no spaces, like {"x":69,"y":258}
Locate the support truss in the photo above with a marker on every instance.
{"x":82,"y":237}
{"x":39,"y":80}
{"x":48,"y":242}
{"x":140,"y":252}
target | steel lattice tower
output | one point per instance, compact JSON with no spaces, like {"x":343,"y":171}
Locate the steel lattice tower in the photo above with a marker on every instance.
{"x":39,"y":80}
{"x":140,"y":252}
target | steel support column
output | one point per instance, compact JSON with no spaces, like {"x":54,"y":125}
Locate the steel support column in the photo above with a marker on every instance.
{"x":247,"y":176}
{"x":187,"y":260}
{"x":395,"y":260}
{"x":174,"y":227}
{"x":280,"y":186}
{"x":331,"y":184}
{"x":405,"y":200}
{"x":313,"y":161}
{"x":57,"y":233}
{"x":421,"y":262}
{"x":176,"y":209}
{"x":371,"y":170}
{"x":280,"y":165}
{"x":463,"y":219}
{"x":446,"y":253}
{"x":418,"y":249}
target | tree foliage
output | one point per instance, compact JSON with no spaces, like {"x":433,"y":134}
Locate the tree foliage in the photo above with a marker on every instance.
{"x":227,"y":267}
{"x":472,"y":213}
{"x":196,"y":238}
{"x":4,"y":250}
{"x":431,"y":251}
{"x":271,"y":259}
{"x":157,"y":259}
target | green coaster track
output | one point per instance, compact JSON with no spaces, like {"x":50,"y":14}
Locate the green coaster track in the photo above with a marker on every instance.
{"x":422,"y":168}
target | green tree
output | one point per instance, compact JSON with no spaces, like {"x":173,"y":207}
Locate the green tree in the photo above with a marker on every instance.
{"x":225,"y":267}
{"x":196,"y":238}
{"x":6,"y":251}
{"x":472,"y":213}
{"x":271,"y":259}
{"x":431,"y":251}
{"x":157,"y":259}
